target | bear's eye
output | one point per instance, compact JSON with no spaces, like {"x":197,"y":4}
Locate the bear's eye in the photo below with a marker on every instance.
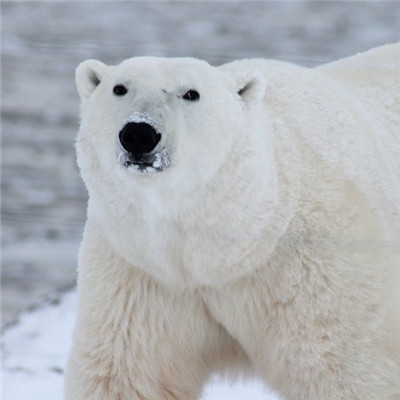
{"x":120,"y":90}
{"x":191,"y":95}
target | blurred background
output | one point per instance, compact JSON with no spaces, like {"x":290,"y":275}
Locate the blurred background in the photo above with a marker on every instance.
{"x":43,"y":198}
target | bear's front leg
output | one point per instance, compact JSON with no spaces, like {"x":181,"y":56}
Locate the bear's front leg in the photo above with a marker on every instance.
{"x":134,"y":339}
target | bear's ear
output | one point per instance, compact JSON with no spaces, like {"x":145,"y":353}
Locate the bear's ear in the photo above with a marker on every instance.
{"x":88,"y":76}
{"x":250,"y":85}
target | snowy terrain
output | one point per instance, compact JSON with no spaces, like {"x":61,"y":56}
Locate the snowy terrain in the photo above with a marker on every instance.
{"x":36,"y":350}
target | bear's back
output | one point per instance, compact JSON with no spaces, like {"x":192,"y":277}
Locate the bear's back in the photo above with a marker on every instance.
{"x":361,"y":94}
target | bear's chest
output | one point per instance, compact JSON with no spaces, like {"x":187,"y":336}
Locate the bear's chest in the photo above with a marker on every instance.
{"x":153,"y":244}
{"x":184,"y":254}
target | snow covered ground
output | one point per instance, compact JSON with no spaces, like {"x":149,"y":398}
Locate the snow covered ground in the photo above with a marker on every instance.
{"x":36,"y":350}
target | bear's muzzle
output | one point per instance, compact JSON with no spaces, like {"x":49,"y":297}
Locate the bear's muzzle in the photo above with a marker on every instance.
{"x":139,"y":139}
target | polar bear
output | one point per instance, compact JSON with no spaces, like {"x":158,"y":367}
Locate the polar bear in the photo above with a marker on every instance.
{"x":240,"y":218}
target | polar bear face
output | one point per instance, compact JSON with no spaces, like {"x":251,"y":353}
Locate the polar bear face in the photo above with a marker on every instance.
{"x":153,"y":116}
{"x":166,"y":147}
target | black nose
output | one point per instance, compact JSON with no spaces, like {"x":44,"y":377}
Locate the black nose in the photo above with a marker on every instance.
{"x":139,"y":138}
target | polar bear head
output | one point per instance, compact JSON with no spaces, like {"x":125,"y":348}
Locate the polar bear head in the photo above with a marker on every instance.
{"x":171,"y":120}
{"x":171,"y":146}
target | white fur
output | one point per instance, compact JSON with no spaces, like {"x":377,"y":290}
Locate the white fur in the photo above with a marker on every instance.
{"x":269,"y":245}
